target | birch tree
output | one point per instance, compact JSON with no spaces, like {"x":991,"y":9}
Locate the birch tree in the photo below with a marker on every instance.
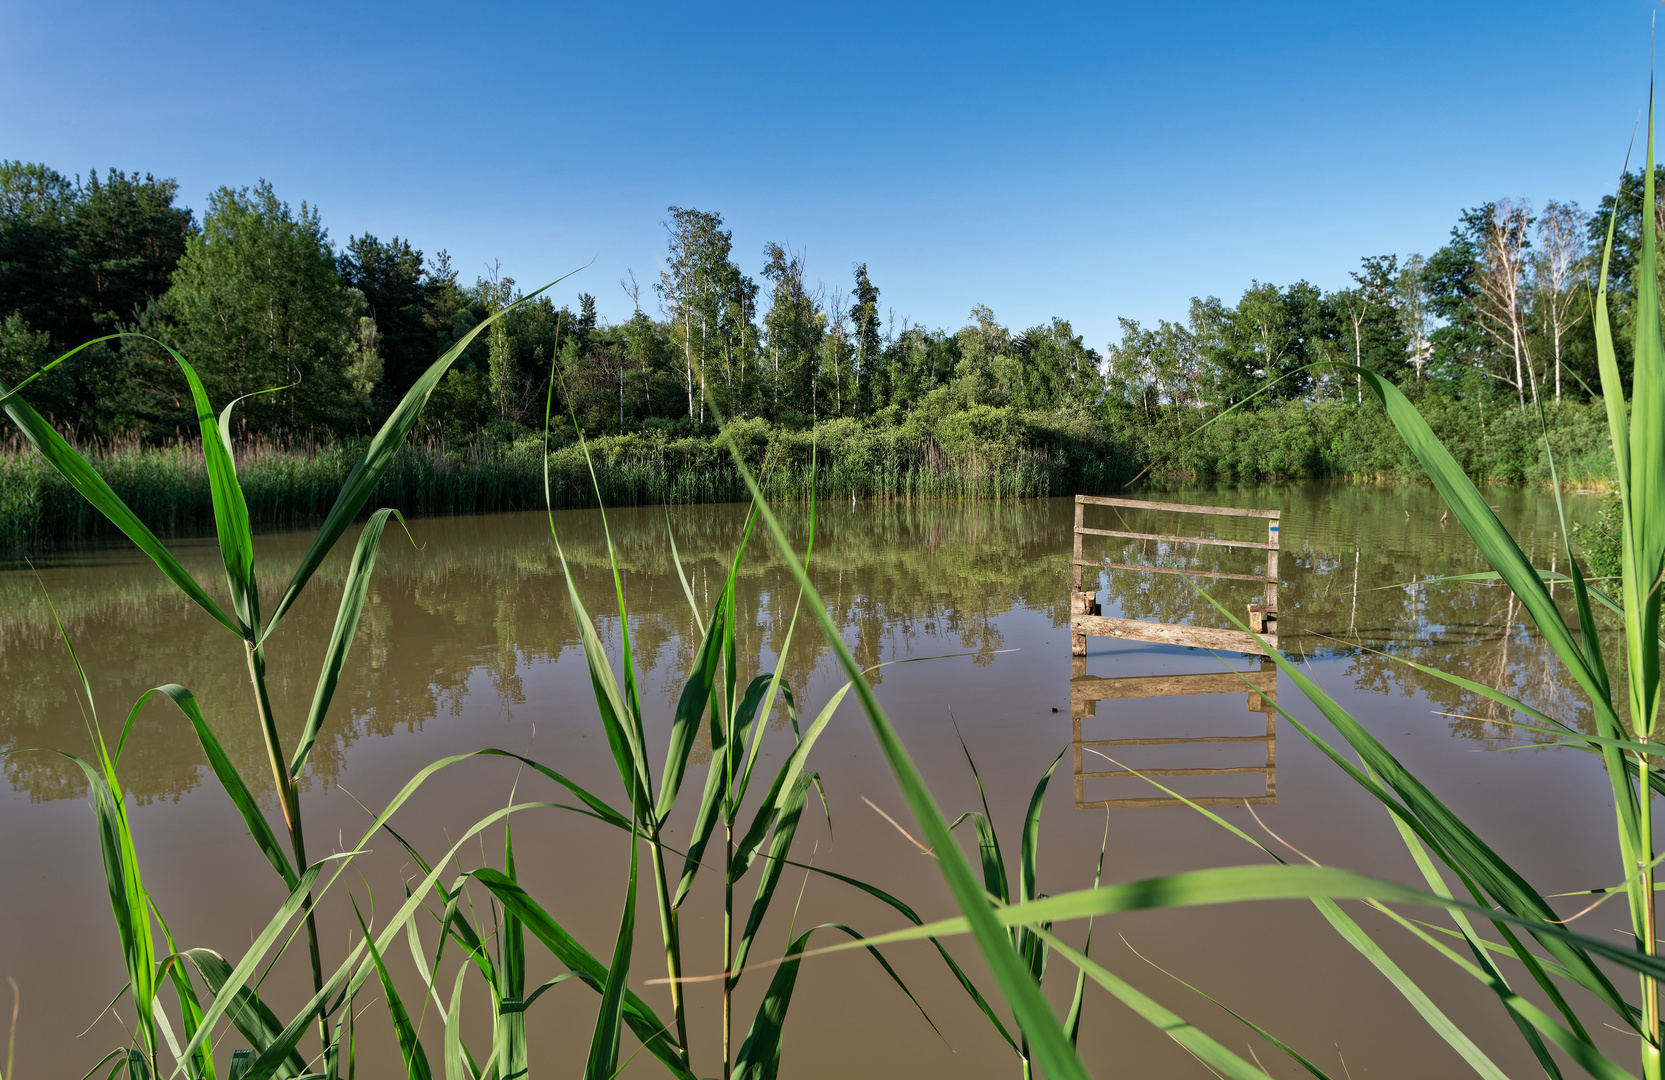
{"x":1505,"y":290}
{"x":1558,"y":267}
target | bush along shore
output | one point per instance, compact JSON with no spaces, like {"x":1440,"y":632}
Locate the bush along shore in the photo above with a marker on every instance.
{"x":982,"y":452}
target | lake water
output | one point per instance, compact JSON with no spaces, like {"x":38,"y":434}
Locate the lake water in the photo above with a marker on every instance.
{"x":468,"y":642}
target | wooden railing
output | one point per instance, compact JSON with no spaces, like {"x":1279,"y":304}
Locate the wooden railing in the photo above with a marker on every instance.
{"x":1085,"y":617}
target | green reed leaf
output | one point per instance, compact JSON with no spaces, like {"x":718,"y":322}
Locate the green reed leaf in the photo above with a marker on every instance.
{"x":353,"y":593}
{"x":377,"y":458}
{"x":80,"y":475}
{"x":759,"y":1056}
{"x":410,"y":1045}
{"x":232,"y":781}
{"x":566,"y":950}
{"x":604,"y":1042}
{"x":786,"y":828}
{"x":251,"y":1016}
{"x":1034,"y":1015}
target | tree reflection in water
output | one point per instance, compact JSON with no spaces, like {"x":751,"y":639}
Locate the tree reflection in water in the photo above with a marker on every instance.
{"x":480,"y":604}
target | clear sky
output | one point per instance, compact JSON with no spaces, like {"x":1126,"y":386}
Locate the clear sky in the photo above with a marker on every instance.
{"x":1080,"y":160}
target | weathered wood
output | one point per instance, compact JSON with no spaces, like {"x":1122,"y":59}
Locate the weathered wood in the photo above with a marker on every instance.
{"x":1170,"y":570}
{"x":1148,"y":804}
{"x":1178,"y":508}
{"x":1172,"y":742}
{"x":1081,"y":603}
{"x":1229,"y":770}
{"x":1272,"y":543}
{"x":1080,"y":520}
{"x":1197,"y":637}
{"x":1211,"y":542}
{"x":1093,"y":688}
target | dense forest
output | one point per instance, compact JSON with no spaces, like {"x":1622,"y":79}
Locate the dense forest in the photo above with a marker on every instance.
{"x":327,"y":337}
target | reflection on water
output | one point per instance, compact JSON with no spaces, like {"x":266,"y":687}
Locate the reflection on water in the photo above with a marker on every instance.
{"x":483,"y":597}
{"x":1092,"y":755}
{"x":467,"y":641}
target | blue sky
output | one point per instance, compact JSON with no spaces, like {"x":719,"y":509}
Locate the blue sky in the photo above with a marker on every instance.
{"x":1080,"y":160}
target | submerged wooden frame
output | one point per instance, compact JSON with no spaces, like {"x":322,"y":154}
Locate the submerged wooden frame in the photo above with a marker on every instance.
{"x":1087,"y":691}
{"x":1085,"y":617}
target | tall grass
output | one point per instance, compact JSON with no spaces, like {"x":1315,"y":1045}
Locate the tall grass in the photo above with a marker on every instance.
{"x":981,"y":453}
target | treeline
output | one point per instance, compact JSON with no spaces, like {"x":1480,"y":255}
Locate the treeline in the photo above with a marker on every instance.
{"x":1501,"y":314}
{"x":257,"y":297}
{"x":327,"y":339}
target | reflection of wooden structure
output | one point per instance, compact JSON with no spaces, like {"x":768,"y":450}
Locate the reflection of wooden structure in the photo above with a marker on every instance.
{"x":1085,"y":617}
{"x":1261,"y":688}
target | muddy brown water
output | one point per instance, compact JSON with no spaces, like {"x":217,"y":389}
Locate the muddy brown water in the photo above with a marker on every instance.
{"x":468,"y":642}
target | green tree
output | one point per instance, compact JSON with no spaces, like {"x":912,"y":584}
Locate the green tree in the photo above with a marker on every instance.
{"x":793,"y":328}
{"x":704,"y":293}
{"x":81,"y":259}
{"x":864,"y":332}
{"x":984,"y":372}
{"x":399,"y":296}
{"x":1457,"y":347}
{"x":257,"y":303}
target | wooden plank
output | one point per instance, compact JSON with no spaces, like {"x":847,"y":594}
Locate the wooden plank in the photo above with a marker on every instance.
{"x":1170,"y":570}
{"x":1172,"y":742}
{"x":1178,"y":508}
{"x":1115,"y":773}
{"x":1094,"y":688}
{"x":1197,"y":637}
{"x":1255,"y":544}
{"x":1154,"y":803}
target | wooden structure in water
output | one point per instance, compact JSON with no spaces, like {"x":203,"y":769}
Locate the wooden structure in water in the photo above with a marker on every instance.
{"x":1085,"y":617}
{"x":1087,"y":691}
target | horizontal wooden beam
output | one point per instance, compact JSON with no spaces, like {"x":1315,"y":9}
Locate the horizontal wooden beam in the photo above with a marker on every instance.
{"x":1196,"y":637}
{"x":1094,"y":688}
{"x":1258,"y":545}
{"x":1178,"y":508}
{"x":1116,"y":773}
{"x":1148,"y":804}
{"x":1079,"y":743}
{"x":1171,"y":570}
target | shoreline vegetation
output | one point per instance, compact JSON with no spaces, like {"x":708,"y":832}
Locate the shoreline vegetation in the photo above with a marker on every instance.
{"x":981,"y":452}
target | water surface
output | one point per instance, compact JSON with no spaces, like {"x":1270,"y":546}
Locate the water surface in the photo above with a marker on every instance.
{"x":468,"y":642}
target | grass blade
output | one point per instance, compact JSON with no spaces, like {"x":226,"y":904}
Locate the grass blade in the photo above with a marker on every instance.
{"x":759,"y":1056}
{"x":410,"y":1046}
{"x":81,"y":476}
{"x":238,"y":791}
{"x":252,"y":1018}
{"x":341,"y":638}
{"x":455,"y":1069}
{"x":566,"y":949}
{"x":1034,"y":1015}
{"x":377,"y":458}
{"x":604,"y":1043}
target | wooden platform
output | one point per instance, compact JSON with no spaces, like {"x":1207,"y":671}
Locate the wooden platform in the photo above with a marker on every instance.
{"x":1196,"y":637}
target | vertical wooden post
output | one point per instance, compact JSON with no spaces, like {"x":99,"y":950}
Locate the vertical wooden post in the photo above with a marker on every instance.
{"x":1272,"y":566}
{"x":1075,"y":756}
{"x":1268,"y":705}
{"x":1081,"y":603}
{"x":1075,"y":565}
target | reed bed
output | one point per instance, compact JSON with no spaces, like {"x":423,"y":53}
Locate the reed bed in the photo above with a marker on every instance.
{"x":290,"y":486}
{"x":980,"y":454}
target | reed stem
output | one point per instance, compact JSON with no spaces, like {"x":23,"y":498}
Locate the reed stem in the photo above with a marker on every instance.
{"x":728,"y":943}
{"x":672,"y":934}
{"x":288,"y":793}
